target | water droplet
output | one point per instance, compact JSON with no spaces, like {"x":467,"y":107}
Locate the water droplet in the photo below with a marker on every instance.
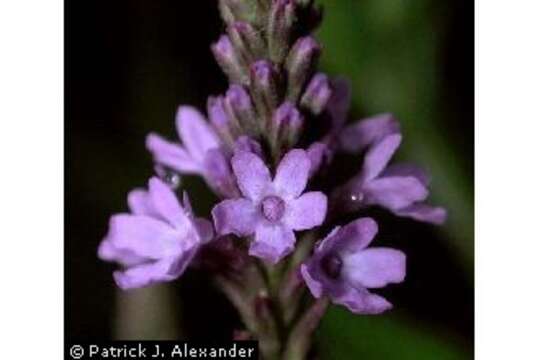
{"x":171,"y":177}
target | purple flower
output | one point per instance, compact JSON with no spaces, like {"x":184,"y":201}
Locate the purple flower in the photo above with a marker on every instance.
{"x":157,"y":240}
{"x":343,"y":268}
{"x":271,"y":209}
{"x":197,"y":137}
{"x":201,"y":152}
{"x":360,"y":135}
{"x":400,"y":188}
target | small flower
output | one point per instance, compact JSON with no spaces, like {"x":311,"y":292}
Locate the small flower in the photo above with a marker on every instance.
{"x":400,"y":188}
{"x":197,"y":137}
{"x":157,"y":240}
{"x":271,"y":209}
{"x":201,"y":153}
{"x":343,"y":268}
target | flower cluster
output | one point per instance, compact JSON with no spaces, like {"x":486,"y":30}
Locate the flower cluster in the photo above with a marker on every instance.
{"x":266,"y":148}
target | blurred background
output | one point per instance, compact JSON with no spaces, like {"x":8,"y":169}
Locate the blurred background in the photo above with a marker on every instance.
{"x":129,"y":64}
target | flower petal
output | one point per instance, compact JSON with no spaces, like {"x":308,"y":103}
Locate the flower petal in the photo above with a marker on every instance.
{"x":219,"y":174}
{"x":272,"y":243}
{"x":318,"y":155}
{"x":195,"y":132}
{"x":172,"y":155}
{"x":307,"y":211}
{"x":395,"y":192}
{"x":339,"y":103}
{"x":108,"y":252}
{"x":352,"y":237}
{"x":144,"y":236}
{"x":236,"y":216}
{"x":361,"y":301}
{"x":167,"y":205}
{"x":313,"y":285}
{"x":404,"y":170}
{"x":142,"y":275}
{"x":374,"y":267}
{"x":379,"y":155}
{"x":358,"y":136}
{"x":252,"y":175}
{"x":139,"y":203}
{"x":424,"y":212}
{"x":292,"y":173}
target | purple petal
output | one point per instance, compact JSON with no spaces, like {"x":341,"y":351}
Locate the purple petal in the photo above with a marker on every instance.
{"x":314,"y":286}
{"x":394,"y":192}
{"x":204,"y":229}
{"x":379,"y":155}
{"x":219,"y":175}
{"x":237,"y":216}
{"x":404,"y":169}
{"x":339,"y":103}
{"x":245,"y":143}
{"x":361,"y":301}
{"x":352,"y":237}
{"x":108,"y":252}
{"x":307,"y":211}
{"x":144,"y":236}
{"x":363,"y":133}
{"x":272,"y":243}
{"x":196,"y":134}
{"x":424,"y":212}
{"x":166,"y":204}
{"x":374,"y":267}
{"x":139,"y":203}
{"x":292,"y":174}
{"x":143,"y":275}
{"x":172,"y":155}
{"x":252,"y":175}
{"x":316,"y":153}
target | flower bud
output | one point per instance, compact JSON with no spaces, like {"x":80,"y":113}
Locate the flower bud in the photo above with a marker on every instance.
{"x":222,"y":123}
{"x":264,"y":87}
{"x":317,"y":94}
{"x":286,"y":126}
{"x":243,"y":10}
{"x":281,"y":20}
{"x":239,"y":107}
{"x":300,"y":64}
{"x":246,"y":41}
{"x":229,"y":61}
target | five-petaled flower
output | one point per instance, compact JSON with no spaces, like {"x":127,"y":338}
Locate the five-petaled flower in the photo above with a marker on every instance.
{"x":157,"y":240}
{"x":343,"y":268}
{"x":400,"y":188}
{"x":271,"y":209}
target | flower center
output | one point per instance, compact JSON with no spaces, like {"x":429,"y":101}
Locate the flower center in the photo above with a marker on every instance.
{"x":331,"y":265}
{"x":273,"y":208}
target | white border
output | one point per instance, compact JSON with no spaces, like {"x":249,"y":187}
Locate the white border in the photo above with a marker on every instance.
{"x":508,"y":180}
{"x":31,"y":179}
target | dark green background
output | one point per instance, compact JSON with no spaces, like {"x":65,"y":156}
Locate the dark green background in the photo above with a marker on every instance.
{"x":129,"y":64}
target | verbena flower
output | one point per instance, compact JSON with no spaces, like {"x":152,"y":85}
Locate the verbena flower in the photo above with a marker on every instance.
{"x":157,"y":240}
{"x":271,"y":209}
{"x":344,"y":268}
{"x":400,"y":188}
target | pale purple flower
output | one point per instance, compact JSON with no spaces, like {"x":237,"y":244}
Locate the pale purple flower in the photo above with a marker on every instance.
{"x":360,"y":135}
{"x":343,"y":268}
{"x":271,"y":209}
{"x":157,"y":240}
{"x":400,"y":188}
{"x":200,"y":153}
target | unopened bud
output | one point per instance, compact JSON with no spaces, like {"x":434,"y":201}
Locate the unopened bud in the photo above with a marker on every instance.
{"x":243,"y":10}
{"x":300,"y":64}
{"x":264,"y":85}
{"x":287,"y":123}
{"x":317,"y":94}
{"x":221,"y":122}
{"x":229,"y":61}
{"x":239,"y":107}
{"x":281,"y":20}
{"x":246,"y":41}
